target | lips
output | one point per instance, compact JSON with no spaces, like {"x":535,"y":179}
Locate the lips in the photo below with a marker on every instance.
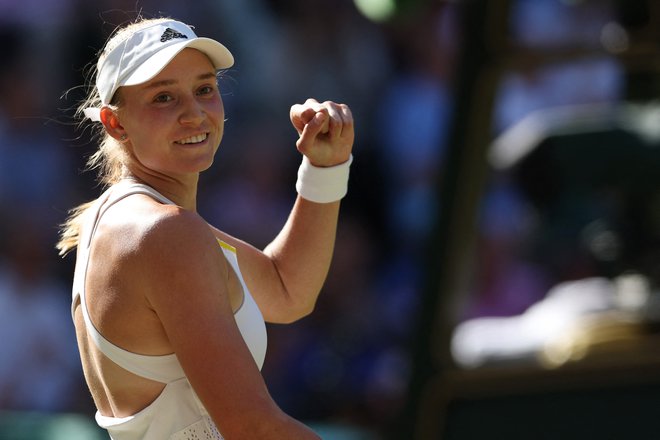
{"x":193,"y":139}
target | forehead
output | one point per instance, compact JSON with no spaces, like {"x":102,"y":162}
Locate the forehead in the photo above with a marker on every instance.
{"x":189,"y":66}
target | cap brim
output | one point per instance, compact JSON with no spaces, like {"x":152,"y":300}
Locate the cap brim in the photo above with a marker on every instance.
{"x":219,"y":55}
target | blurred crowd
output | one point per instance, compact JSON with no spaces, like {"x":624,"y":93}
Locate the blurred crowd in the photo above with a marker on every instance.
{"x":350,"y":360}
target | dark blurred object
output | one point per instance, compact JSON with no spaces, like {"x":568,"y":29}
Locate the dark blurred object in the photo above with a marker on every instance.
{"x":12,"y":45}
{"x":639,"y":19}
{"x":616,"y":403}
{"x":633,"y":14}
{"x":591,"y":173}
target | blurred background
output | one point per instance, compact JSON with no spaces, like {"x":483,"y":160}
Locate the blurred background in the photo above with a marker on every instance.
{"x":497,"y":262}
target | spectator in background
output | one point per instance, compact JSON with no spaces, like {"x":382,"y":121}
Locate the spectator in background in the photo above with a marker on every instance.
{"x":412,"y":119}
{"x":585,"y":74}
{"x":35,"y":175}
{"x":39,"y":368}
{"x":508,"y":279}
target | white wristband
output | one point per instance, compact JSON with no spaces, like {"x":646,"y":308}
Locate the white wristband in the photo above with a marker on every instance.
{"x":323,"y":184}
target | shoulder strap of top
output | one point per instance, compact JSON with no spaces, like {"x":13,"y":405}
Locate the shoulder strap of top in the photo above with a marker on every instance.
{"x":248,"y":317}
{"x":118,"y":192}
{"x":165,"y":368}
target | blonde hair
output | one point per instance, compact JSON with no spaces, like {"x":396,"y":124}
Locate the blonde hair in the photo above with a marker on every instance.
{"x":110,"y":157}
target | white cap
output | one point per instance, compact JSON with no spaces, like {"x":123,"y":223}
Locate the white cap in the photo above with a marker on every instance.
{"x":145,"y":53}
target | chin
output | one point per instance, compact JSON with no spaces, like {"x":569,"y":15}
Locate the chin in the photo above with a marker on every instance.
{"x":206,"y":167}
{"x":203,"y":166}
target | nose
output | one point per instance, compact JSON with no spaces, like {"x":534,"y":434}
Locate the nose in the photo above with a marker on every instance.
{"x":192,"y":112}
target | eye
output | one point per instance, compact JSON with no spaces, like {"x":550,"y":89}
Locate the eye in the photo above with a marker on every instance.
{"x":206,"y":90}
{"x":163,"y":97}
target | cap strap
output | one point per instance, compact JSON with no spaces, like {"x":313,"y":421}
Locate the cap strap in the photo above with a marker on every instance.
{"x":93,"y":113}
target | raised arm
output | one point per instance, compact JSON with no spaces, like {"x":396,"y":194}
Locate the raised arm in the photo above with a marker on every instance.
{"x":286,"y":277}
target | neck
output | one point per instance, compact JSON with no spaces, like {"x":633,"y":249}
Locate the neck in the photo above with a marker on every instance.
{"x":181,"y":190}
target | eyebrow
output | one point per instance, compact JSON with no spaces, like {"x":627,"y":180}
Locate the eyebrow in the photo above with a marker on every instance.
{"x":169,"y":82}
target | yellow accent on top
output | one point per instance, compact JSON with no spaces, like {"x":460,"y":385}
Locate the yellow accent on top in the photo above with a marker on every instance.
{"x":229,"y":247}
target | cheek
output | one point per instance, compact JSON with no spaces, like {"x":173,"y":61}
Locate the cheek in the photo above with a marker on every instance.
{"x":147,"y":127}
{"x":218,"y":115}
{"x":217,"y":110}
{"x":145,"y":142}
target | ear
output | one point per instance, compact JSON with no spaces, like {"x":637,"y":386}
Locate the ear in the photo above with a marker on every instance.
{"x":110,"y":121}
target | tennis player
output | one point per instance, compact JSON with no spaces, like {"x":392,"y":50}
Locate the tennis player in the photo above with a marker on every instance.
{"x":169,"y":311}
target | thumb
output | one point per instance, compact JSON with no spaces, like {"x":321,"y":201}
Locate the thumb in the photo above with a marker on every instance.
{"x":301,"y":116}
{"x":319,"y":124}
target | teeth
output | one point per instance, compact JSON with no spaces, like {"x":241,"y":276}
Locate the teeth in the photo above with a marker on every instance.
{"x":193,"y":139}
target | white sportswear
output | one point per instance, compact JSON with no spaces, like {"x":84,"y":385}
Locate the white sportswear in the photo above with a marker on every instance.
{"x":177,"y":413}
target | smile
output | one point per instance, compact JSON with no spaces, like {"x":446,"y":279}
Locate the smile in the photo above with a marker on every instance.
{"x":193,"y":139}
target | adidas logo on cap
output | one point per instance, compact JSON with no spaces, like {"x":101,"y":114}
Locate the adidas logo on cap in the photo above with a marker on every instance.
{"x":170,"y":34}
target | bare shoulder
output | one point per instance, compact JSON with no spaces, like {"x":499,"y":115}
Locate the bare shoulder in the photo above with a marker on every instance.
{"x":140,"y":225}
{"x":157,"y":247}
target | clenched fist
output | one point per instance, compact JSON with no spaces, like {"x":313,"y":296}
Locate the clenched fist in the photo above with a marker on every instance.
{"x":326,"y":131}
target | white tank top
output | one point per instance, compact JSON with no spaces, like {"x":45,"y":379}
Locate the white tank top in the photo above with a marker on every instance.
{"x":177,"y":413}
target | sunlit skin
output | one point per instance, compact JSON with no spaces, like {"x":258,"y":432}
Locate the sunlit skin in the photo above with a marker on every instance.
{"x":173,"y":123}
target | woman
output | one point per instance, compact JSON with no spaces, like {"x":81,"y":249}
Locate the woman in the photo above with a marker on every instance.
{"x":169,"y":311}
